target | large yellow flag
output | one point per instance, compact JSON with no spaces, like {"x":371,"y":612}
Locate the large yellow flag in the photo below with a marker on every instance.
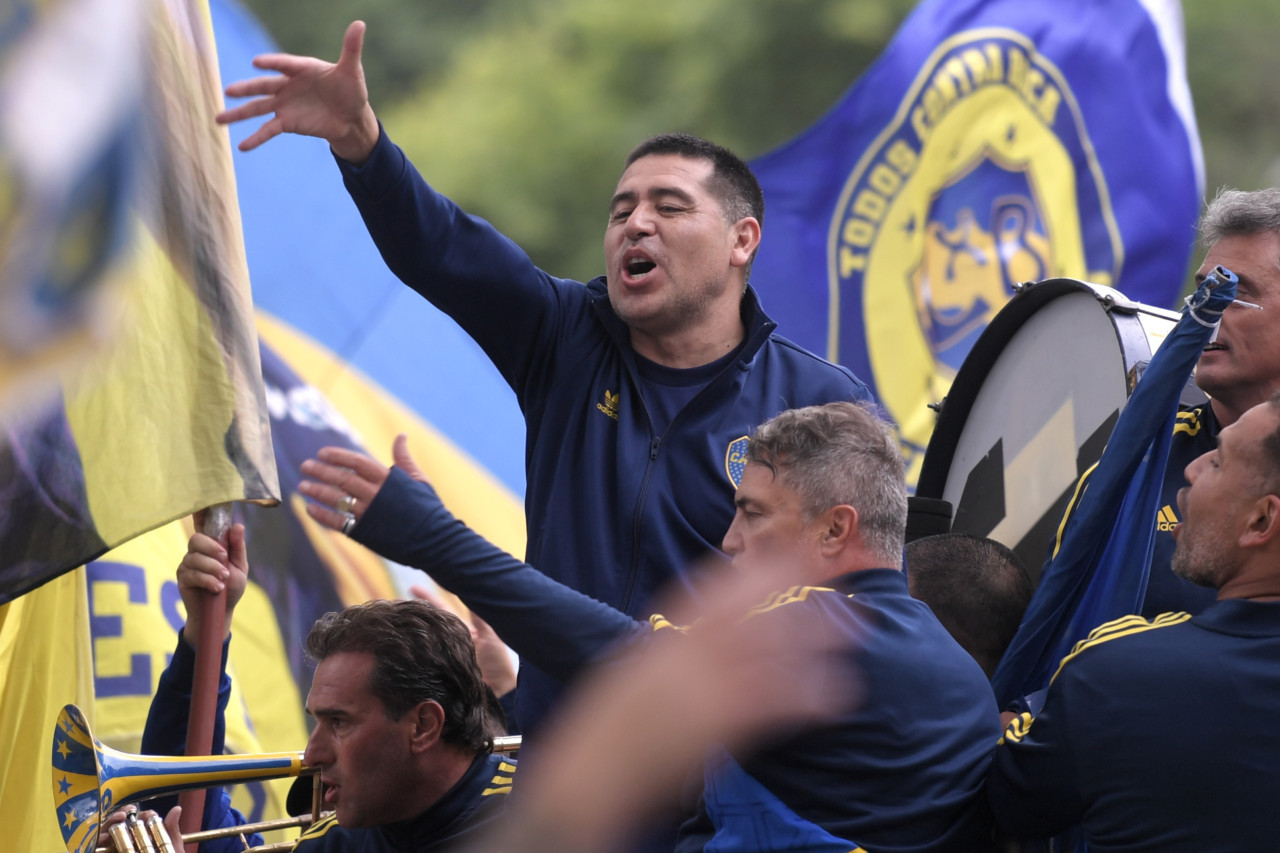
{"x":121,"y":257}
{"x":168,"y":416}
{"x":44,"y":647}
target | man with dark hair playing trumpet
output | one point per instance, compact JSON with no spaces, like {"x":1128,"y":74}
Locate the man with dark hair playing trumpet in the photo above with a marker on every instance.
{"x":401,"y":736}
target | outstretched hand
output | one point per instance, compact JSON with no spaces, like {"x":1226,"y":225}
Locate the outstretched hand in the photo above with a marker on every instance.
{"x":311,"y":97}
{"x":346,"y":481}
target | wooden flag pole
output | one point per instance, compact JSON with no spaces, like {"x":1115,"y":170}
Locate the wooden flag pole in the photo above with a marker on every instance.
{"x":208,"y":670}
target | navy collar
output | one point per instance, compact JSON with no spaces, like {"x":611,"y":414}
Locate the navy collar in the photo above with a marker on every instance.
{"x":756,"y":324}
{"x":868,"y":581}
{"x":430,"y":825}
{"x":1239,"y":617}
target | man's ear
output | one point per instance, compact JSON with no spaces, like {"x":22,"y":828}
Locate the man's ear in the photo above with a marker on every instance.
{"x":1264,"y":522}
{"x":428,"y":725}
{"x":746,"y":238}
{"x":839,"y":529}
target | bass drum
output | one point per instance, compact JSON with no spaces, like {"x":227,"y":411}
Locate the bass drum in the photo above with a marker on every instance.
{"x":1032,"y":407}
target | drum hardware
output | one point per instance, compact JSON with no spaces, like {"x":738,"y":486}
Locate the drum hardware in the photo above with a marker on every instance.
{"x":1032,"y":406}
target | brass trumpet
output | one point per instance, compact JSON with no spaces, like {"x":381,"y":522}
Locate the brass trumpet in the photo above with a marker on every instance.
{"x":91,"y":780}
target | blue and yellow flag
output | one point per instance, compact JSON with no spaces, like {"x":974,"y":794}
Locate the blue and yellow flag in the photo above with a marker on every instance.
{"x":72,"y":144}
{"x":130,"y":387}
{"x":299,"y":569}
{"x":323,"y":277}
{"x":993,"y":142}
{"x":169,"y":415}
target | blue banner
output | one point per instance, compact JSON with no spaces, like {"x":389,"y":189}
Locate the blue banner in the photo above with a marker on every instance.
{"x":993,"y":142}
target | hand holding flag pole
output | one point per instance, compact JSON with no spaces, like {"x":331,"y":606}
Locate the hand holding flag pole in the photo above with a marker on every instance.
{"x":204,"y":685}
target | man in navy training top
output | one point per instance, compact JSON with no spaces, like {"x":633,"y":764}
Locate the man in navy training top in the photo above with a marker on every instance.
{"x":1159,"y":735}
{"x":1238,"y":370}
{"x":822,"y":508}
{"x":638,"y":388}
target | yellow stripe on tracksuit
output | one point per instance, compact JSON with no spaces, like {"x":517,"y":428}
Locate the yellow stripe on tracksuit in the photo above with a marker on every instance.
{"x":1122,"y":627}
{"x":501,"y":782}
{"x":1187,"y":422}
{"x":1081,"y":485}
{"x":1125,"y":626}
{"x":320,"y":827}
{"x":788,"y":596}
{"x":794,"y":594}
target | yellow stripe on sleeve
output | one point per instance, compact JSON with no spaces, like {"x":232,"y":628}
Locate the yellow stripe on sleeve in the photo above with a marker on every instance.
{"x":320,"y":827}
{"x":1188,"y":422}
{"x":1081,"y":485}
{"x":1017,"y":728}
{"x":1122,"y":627}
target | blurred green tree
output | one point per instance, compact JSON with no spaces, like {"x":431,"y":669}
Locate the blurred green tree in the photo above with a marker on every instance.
{"x":530,"y":127}
{"x":408,"y":45}
{"x":523,"y":111}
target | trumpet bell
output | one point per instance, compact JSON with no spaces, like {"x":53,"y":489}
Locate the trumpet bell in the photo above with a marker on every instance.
{"x":91,"y":780}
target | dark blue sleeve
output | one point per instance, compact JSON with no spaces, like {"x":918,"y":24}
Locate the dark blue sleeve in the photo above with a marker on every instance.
{"x":165,"y":733}
{"x":1034,"y":783}
{"x":166,"y":729}
{"x":507,"y":701}
{"x":553,"y":627}
{"x":461,"y":264}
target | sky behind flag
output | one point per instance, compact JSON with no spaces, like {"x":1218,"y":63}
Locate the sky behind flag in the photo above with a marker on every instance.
{"x":993,"y":142}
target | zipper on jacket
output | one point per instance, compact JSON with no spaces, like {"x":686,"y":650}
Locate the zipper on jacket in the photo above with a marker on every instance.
{"x":654,"y":444}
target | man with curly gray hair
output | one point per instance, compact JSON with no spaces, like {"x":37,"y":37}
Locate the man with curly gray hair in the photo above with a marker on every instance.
{"x":1239,"y":369}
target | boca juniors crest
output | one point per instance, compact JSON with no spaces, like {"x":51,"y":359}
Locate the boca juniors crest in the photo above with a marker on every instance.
{"x":735,"y":459}
{"x":990,"y":145}
{"x":976,"y":186}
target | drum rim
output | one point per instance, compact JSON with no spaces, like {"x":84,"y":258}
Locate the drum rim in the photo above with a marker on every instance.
{"x":955,"y":407}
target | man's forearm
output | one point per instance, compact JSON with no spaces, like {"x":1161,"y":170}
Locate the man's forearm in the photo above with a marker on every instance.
{"x":555,"y":628}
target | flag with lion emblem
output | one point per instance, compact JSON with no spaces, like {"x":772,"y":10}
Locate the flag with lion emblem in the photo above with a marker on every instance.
{"x":994,"y":142}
